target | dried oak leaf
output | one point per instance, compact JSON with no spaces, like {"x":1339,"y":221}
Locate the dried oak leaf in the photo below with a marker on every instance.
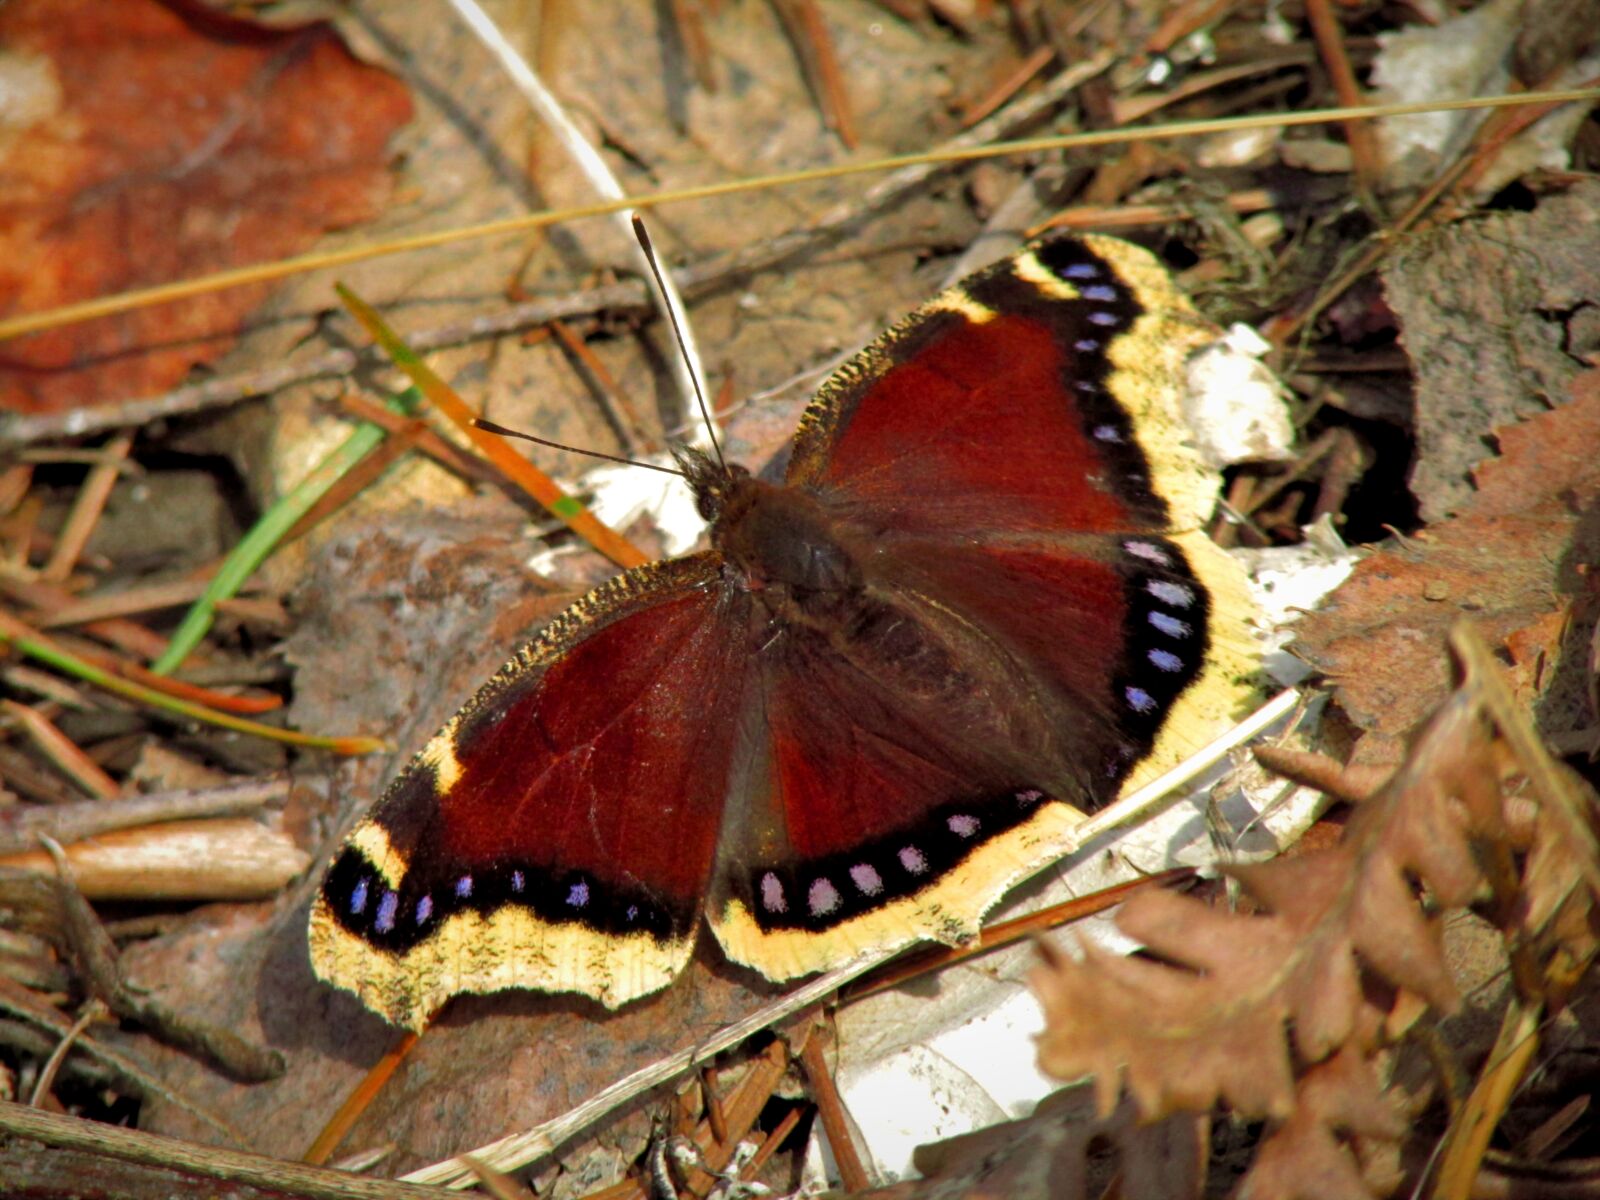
{"x":1511,"y":558}
{"x":1558,"y":916}
{"x":1302,"y":1160}
{"x":1207,"y":1022}
{"x":148,"y":145}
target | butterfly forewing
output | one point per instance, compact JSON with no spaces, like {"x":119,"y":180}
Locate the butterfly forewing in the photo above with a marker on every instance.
{"x":1040,"y":402}
{"x":1040,"y":394}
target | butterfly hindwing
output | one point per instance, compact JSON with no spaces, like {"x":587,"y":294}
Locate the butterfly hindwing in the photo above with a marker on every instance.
{"x":895,"y":795}
{"x":1141,"y":633}
{"x":864,"y":820}
{"x":559,"y":832}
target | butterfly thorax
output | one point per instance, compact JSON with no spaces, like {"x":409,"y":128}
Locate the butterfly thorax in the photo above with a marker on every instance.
{"x":771,"y":536}
{"x":783,"y":539}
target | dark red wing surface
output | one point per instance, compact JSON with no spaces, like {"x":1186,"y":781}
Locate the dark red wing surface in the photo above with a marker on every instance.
{"x":879,"y":810}
{"x":572,"y":806}
{"x":992,"y":408}
{"x":1037,"y":623}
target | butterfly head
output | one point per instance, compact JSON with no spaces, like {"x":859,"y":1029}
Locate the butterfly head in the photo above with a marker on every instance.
{"x":713,"y":482}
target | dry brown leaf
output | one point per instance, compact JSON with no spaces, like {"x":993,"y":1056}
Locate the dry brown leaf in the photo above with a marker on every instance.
{"x":1492,"y":317}
{"x":1346,"y":950}
{"x":1509,"y":561}
{"x":220,"y":144}
{"x":1211,"y":1025}
{"x":1302,"y":1160}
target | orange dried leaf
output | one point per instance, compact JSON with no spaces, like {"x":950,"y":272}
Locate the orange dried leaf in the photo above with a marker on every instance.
{"x":1504,"y":559}
{"x":1304,"y":1159}
{"x":1182,"y":1037}
{"x":220,"y":144}
{"x":1209,"y":1022}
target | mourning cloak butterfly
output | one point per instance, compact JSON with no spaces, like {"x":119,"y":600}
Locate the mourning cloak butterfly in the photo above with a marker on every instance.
{"x":977,"y":606}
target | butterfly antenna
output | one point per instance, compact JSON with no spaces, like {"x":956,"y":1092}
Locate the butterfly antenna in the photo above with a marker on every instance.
{"x":528,"y":437}
{"x":676,"y":318}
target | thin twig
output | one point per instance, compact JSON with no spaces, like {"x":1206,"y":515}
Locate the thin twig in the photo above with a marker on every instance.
{"x":23,"y":775}
{"x":35,"y":645}
{"x":251,"y":704}
{"x":86,"y":509}
{"x":62,"y":751}
{"x":1017,"y":78}
{"x":1138,"y":805}
{"x":771,"y":1142}
{"x":688,"y":373}
{"x":498,"y":1184}
{"x":451,"y":458}
{"x":808,"y":34}
{"x":394,"y":447}
{"x":614,"y":399}
{"x":691,"y":31}
{"x":357,"y":1102}
{"x":126,"y":635}
{"x":31,"y":680}
{"x":131,"y":1077}
{"x":1006,"y":933}
{"x":266,"y":534}
{"x":1329,"y":37}
{"x":1184,"y":20}
{"x":16,"y":481}
{"x":715,"y":1117}
{"x":1492,"y":137}
{"x":143,"y":598}
{"x":561,"y":504}
{"x":97,"y":960}
{"x":92,"y":1012}
{"x":742,"y":1109}
{"x":257,"y":1170}
{"x":834,"y":1122}
{"x":20,"y":827}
